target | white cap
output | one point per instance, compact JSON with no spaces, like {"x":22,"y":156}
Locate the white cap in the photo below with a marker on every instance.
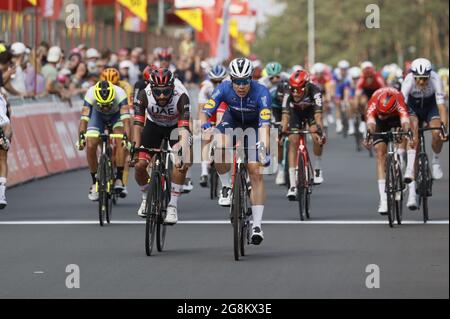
{"x":92,"y":53}
{"x":54,"y":54}
{"x":18,"y":48}
{"x":126,"y":64}
{"x":343,"y":64}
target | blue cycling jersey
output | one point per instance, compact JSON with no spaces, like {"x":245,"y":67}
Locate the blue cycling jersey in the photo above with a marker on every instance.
{"x":254,"y":108}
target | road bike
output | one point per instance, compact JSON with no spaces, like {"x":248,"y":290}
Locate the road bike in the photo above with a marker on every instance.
{"x":395,"y":185}
{"x":105,"y":175}
{"x":424,"y":178}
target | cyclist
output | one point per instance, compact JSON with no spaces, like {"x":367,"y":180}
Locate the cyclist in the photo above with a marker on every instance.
{"x":112,"y":75}
{"x":216,"y":75}
{"x":249,"y":108}
{"x":341,"y":96}
{"x":368,"y":83}
{"x":423,"y":92}
{"x":303,"y":103}
{"x":104,"y":104}
{"x":274,"y":75}
{"x":386,"y":110}
{"x":321,"y":76}
{"x":162,"y":107}
{"x":357,"y":109}
{"x":5,"y":141}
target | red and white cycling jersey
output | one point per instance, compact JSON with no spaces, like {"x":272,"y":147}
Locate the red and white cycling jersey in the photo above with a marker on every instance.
{"x":401,"y":110}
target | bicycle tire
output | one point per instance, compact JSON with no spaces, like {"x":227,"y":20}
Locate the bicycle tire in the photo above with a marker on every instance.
{"x":301,"y":187}
{"x":426,"y":186}
{"x":151,"y":211}
{"x":102,"y":194}
{"x":242,"y":215}
{"x":161,"y":228}
{"x":358,"y":135}
{"x":212,"y":182}
{"x":390,"y":191}
{"x":235,"y":214}
{"x":110,"y":189}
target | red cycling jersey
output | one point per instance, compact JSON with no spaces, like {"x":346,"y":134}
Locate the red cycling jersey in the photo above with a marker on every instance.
{"x":376,"y":84}
{"x":401,"y":109}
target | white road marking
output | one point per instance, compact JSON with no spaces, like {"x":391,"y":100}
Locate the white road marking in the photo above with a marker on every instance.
{"x":38,"y":272}
{"x":223,"y":222}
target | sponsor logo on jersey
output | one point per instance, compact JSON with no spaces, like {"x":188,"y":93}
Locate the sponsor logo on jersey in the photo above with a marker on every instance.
{"x":265,"y":114}
{"x":210,"y":105}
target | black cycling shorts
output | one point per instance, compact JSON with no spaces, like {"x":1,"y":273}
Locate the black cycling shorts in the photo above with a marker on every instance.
{"x":385,"y":126}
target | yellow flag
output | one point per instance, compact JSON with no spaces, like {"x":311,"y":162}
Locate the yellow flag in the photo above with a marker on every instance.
{"x":234,"y":28}
{"x":192,"y":16}
{"x":242,"y":45}
{"x":137,"y":7}
{"x":33,"y":2}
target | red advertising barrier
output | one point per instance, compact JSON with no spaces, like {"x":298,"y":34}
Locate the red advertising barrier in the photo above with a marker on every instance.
{"x":44,"y":136}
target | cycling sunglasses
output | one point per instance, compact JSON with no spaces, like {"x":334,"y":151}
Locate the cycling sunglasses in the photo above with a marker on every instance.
{"x":241,"y":81}
{"x":164,"y":91}
{"x":105,"y":106}
{"x":421,"y":77}
{"x":297,"y":90}
{"x":276,"y":77}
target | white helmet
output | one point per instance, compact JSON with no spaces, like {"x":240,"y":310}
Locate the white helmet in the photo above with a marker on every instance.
{"x":296,"y":67}
{"x":343,"y":64}
{"x":421,"y":67}
{"x":354,"y":72}
{"x":366,"y":64}
{"x":318,"y":68}
{"x":241,"y":68}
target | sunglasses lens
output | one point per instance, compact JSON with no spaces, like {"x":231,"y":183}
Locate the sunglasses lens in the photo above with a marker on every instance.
{"x":164,"y":92}
{"x":241,"y":81}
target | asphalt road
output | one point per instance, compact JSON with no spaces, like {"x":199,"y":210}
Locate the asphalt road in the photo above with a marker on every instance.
{"x":50,"y":224}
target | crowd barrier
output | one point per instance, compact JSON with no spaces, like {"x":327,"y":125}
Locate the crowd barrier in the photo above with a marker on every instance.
{"x":44,"y":134}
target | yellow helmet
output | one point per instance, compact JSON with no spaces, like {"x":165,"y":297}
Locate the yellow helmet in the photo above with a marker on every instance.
{"x":111,"y":75}
{"x":104,"y":92}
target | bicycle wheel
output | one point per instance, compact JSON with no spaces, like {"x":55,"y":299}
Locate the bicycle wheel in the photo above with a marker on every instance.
{"x":212,"y":182}
{"x":244,"y":224}
{"x":358,"y":135}
{"x":110,"y":189}
{"x":152,"y":212}
{"x":390,"y":191}
{"x":102,"y":191}
{"x":308,"y":192}
{"x":426,"y":184}
{"x":301,"y":190}
{"x":161,"y":228}
{"x":235,"y":213}
{"x":399,"y":193}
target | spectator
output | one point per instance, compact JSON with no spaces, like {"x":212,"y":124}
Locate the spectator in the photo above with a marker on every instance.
{"x":187,"y":46}
{"x":74,"y":60}
{"x":31,"y":77}
{"x":78,"y":80}
{"x":50,"y":73}
{"x":42,"y":52}
{"x":92,"y":57}
{"x":124,"y":70}
{"x":123,"y":55}
{"x":7,"y":70}
{"x":20,"y":54}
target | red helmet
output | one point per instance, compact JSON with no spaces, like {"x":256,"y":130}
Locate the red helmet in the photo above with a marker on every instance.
{"x":299,"y":79}
{"x":164,"y":54}
{"x":161,"y":77}
{"x":369,"y":71}
{"x":387,"y":102}
{"x":147,"y":72}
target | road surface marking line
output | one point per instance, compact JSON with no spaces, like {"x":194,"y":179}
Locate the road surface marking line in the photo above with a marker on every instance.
{"x":222,"y":222}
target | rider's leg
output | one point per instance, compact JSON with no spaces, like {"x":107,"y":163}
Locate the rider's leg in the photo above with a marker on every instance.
{"x":120,"y":154}
{"x":258,"y":193}
{"x":436,"y":147}
{"x":221,"y":159}
{"x":294,"y":140}
{"x":381,"y":151}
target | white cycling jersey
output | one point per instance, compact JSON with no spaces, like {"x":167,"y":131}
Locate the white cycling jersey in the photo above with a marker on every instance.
{"x":266,"y":80}
{"x":4,"y":120}
{"x":168,"y":115}
{"x":434,"y":87}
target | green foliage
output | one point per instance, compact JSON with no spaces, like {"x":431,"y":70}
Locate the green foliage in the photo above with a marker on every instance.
{"x":408,"y":29}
